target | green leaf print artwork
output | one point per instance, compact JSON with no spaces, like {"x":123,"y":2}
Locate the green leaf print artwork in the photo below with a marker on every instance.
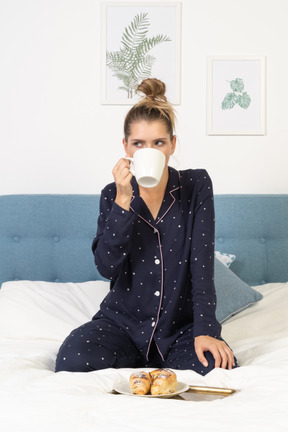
{"x":133,"y":62}
{"x":237,"y":85}
{"x":244,"y":100}
{"x":237,"y":97}
{"x":229,"y":101}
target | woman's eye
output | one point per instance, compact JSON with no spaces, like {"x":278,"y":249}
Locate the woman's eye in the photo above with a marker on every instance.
{"x":137,"y":144}
{"x":159,"y":143}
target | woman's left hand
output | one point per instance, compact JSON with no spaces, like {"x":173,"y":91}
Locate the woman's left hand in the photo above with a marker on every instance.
{"x":222,"y":354}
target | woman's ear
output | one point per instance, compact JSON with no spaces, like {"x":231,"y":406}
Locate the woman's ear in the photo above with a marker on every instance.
{"x":174,"y":139}
{"x":124,"y":145}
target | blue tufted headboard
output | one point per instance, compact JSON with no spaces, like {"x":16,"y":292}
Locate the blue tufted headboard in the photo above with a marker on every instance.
{"x":48,"y":237}
{"x":255,"y":229}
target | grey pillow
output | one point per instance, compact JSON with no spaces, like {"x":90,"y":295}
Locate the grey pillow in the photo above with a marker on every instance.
{"x":233,"y":295}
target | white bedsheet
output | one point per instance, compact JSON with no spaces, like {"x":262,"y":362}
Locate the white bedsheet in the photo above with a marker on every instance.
{"x":34,"y":398}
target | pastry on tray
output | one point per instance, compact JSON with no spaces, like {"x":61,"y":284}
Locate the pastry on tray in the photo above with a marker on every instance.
{"x":157,"y":382}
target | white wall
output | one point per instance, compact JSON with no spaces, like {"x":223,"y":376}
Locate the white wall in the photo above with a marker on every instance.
{"x":56,"y":137}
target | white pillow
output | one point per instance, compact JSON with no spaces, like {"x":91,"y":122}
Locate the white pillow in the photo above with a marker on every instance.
{"x":47,"y":310}
{"x":225,"y":258}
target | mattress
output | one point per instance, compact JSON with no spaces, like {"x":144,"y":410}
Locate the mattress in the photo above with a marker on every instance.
{"x":33,"y":398}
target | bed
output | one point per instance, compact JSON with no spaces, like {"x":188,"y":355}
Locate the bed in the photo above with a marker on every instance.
{"x":50,"y":285}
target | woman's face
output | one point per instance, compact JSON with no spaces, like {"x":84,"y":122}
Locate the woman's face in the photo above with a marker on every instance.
{"x":149,"y":135}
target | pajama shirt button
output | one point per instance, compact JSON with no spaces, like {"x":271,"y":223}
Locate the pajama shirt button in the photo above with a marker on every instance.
{"x":153,"y":324}
{"x":157,"y":261}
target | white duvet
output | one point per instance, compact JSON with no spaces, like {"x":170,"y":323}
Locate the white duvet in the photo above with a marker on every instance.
{"x":35,"y":318}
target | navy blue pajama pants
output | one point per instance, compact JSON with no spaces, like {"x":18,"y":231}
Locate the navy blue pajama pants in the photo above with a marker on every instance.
{"x":99,"y":344}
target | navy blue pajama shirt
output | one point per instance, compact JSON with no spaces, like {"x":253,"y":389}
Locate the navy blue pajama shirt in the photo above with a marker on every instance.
{"x":162,"y":292}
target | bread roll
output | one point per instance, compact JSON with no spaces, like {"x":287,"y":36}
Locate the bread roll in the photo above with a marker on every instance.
{"x":164,"y":381}
{"x":140,"y":383}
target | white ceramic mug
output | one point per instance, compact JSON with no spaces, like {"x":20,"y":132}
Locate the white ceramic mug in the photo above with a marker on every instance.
{"x":147,"y":166}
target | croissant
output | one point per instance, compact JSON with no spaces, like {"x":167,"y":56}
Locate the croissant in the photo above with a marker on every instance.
{"x":140,"y":383}
{"x":164,"y":381}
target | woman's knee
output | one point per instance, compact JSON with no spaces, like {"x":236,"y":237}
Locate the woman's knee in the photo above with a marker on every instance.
{"x":94,"y":346}
{"x":84,"y":350}
{"x":81,"y":361}
{"x":189,"y":361}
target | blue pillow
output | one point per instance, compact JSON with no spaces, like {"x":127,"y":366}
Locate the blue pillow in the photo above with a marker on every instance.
{"x":233,"y":295}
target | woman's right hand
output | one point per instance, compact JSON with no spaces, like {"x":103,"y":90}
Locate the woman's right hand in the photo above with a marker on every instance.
{"x":122,"y":177}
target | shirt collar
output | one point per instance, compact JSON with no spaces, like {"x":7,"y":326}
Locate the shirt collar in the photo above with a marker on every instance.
{"x":139,"y":206}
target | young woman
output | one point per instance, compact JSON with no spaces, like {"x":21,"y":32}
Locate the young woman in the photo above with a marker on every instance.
{"x":156,"y":245}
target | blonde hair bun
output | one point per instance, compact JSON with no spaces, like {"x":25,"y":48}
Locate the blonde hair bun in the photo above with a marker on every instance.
{"x":153,"y":89}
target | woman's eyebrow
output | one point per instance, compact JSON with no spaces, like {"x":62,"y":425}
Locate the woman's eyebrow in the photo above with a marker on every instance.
{"x":141,"y":140}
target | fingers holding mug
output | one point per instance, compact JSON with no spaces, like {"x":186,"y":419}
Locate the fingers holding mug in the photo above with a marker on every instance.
{"x":122,"y":176}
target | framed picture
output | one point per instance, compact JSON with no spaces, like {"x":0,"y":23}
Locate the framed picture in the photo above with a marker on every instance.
{"x":139,"y":40}
{"x":236,"y":95}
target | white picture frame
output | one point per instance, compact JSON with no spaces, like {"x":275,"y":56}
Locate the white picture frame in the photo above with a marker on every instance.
{"x":236,"y":95}
{"x":121,"y":19}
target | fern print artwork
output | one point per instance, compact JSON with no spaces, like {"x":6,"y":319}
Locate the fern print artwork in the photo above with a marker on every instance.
{"x":237,"y":97}
{"x":133,"y":61}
